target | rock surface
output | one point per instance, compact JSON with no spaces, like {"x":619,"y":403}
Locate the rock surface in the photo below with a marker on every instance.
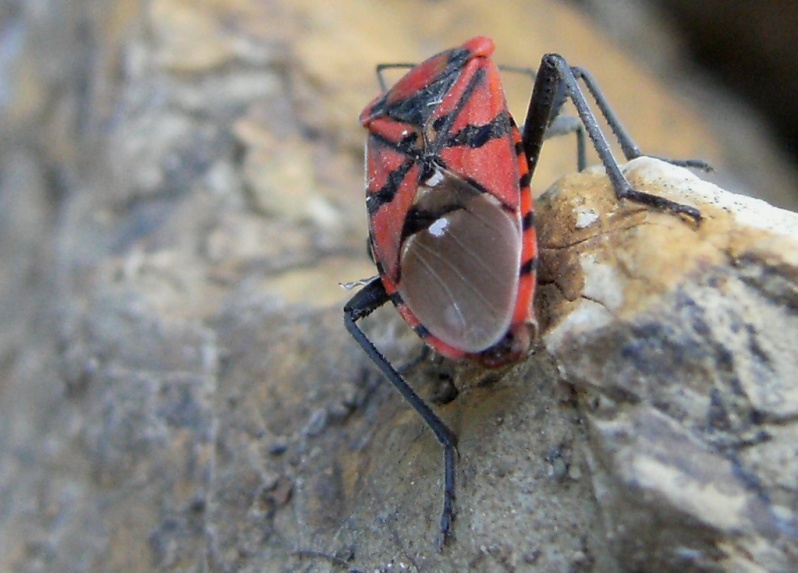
{"x":680,"y":342}
{"x":181,"y":191}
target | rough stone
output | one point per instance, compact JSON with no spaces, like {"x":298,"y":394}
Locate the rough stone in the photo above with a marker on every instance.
{"x":680,"y":343}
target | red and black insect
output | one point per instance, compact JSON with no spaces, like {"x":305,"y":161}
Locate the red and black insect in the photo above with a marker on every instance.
{"x":451,"y":221}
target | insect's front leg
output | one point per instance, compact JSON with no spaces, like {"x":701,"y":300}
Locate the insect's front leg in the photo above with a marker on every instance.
{"x":367,"y":300}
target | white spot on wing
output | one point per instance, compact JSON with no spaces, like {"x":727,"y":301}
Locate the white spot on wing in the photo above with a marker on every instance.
{"x":435,"y":178}
{"x":438,"y":228}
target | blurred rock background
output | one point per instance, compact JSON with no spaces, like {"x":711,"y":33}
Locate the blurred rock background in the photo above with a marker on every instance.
{"x":181,"y":193}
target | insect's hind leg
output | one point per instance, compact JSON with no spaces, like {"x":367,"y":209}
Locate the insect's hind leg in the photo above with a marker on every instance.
{"x":561,"y":124}
{"x":567,"y":124}
{"x":554,"y":78}
{"x":628,"y":146}
{"x":367,"y":300}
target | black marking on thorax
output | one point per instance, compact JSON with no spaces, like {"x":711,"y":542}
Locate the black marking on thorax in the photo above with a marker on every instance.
{"x":386,"y":194}
{"x":475,"y":136}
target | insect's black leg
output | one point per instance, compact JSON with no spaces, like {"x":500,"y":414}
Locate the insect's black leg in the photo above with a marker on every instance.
{"x":561,"y":124}
{"x":366,"y":301}
{"x":630,"y":149}
{"x":554,"y":75}
{"x":565,"y":124}
{"x":422,"y":355}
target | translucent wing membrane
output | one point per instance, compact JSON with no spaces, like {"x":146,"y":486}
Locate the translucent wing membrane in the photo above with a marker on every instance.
{"x":460,"y":268}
